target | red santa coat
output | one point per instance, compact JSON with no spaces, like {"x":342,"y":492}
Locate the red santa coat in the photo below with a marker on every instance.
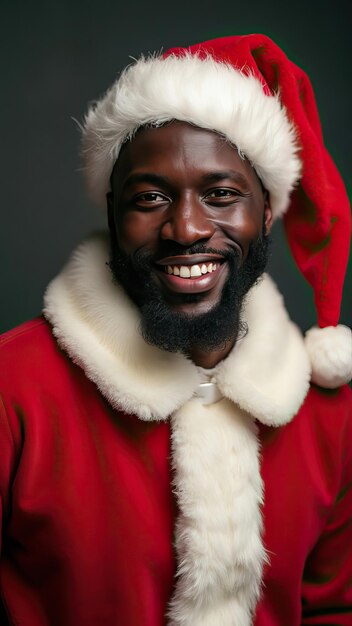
{"x":89,"y":513}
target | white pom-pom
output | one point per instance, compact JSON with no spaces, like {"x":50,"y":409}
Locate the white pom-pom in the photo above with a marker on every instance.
{"x":330,"y":353}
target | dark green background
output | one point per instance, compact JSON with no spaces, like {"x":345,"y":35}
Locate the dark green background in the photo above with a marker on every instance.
{"x":57,"y":56}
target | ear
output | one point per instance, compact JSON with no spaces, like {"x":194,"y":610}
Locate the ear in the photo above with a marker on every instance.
{"x":268,"y":214}
{"x":110,"y":203}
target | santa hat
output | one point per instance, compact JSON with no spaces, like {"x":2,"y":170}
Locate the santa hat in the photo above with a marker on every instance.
{"x":247,"y":89}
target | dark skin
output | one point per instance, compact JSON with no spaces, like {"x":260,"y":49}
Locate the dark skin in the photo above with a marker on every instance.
{"x":179,"y":184}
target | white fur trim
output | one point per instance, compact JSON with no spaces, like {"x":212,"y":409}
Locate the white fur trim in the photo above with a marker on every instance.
{"x":218,"y":530}
{"x":203,"y":92}
{"x":330,"y":351}
{"x":267,"y":373}
{"x":97,"y":325}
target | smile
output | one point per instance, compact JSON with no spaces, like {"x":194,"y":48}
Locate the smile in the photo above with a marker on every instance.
{"x":191,"y":271}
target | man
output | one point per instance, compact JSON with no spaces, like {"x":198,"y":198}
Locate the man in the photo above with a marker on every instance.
{"x":164,"y":456}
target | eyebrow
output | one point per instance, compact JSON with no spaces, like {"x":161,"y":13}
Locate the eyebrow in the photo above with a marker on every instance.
{"x":223,"y":175}
{"x":145,"y":177}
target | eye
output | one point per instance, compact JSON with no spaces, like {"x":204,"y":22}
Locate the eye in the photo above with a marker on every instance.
{"x":150,"y":196}
{"x":150,"y":200}
{"x":222,"y":195}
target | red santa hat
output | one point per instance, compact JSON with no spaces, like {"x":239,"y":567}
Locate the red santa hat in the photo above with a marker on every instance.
{"x":247,"y":89}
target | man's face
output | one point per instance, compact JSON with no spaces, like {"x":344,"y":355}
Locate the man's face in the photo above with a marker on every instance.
{"x":186,"y":215}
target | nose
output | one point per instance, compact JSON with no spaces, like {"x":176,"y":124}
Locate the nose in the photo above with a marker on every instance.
{"x":187,"y":222}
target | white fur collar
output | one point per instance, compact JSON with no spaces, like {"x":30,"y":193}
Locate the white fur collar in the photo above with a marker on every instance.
{"x":267,"y":373}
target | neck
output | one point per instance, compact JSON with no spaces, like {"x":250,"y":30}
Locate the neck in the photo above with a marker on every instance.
{"x":210,"y":359}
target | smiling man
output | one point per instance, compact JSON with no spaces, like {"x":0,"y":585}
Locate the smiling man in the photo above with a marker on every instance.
{"x":189,"y":221}
{"x":173,"y":451}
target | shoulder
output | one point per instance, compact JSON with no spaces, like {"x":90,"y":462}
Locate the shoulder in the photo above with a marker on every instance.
{"x":30,"y":335}
{"x":325,"y":414}
{"x":25,"y":363}
{"x":323,"y":429}
{"x":329,"y":404}
{"x":320,"y":431}
{"x":31,"y":361}
{"x":39,"y":383}
{"x":328,"y":414}
{"x":27,"y":348}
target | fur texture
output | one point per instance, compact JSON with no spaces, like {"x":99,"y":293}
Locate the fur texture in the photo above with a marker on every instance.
{"x":218,"y":530}
{"x":266,"y":368}
{"x":203,"y":92}
{"x":330,"y":351}
{"x":267,"y":373}
{"x":97,"y":325}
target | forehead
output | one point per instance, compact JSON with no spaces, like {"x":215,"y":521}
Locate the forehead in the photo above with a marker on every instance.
{"x":179,"y":148}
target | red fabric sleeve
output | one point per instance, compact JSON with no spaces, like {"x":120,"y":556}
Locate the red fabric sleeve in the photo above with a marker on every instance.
{"x":327,"y":578}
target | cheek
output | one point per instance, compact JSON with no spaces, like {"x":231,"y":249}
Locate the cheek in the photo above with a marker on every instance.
{"x":136,"y":230}
{"x":243,"y":225}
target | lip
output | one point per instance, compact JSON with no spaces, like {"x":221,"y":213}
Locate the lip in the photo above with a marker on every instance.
{"x":190,"y":259}
{"x":200,"y":284}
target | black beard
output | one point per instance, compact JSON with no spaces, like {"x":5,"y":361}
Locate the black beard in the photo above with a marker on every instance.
{"x":178,"y":332}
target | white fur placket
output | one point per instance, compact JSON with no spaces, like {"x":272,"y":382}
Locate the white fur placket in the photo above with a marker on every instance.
{"x":218,"y":530}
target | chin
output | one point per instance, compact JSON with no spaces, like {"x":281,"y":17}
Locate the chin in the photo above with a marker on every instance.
{"x":192,"y":305}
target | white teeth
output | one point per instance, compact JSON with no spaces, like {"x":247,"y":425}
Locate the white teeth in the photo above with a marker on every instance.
{"x":195,"y":270}
{"x":185,"y":271}
{"x":188,"y":271}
